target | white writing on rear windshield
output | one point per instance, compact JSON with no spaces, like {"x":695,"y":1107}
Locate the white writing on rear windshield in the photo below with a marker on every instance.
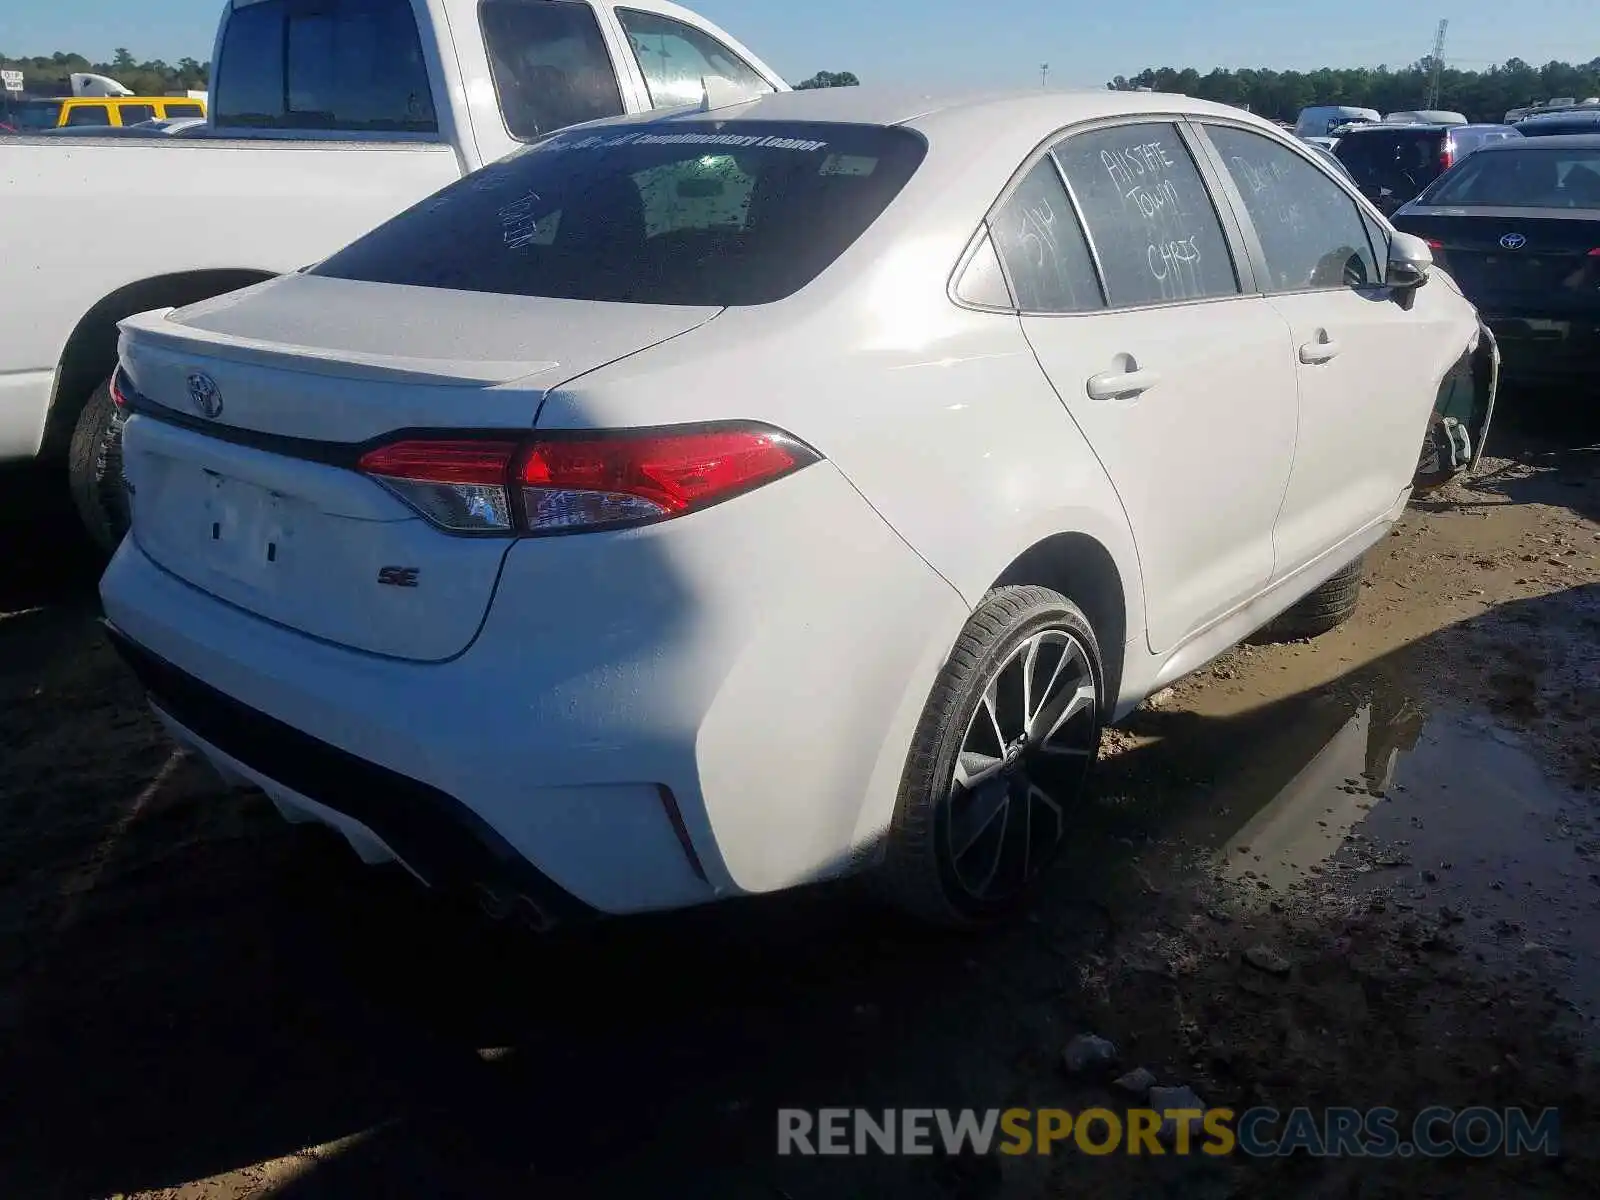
{"x":735,"y":140}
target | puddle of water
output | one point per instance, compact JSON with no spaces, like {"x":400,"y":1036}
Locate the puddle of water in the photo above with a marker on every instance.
{"x":1446,"y":815}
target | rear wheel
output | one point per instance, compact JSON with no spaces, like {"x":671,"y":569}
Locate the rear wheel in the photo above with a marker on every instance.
{"x":1326,"y":608}
{"x":94,"y":468}
{"x":998,"y":762}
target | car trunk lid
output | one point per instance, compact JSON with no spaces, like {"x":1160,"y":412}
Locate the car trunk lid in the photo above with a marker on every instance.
{"x":251,"y":412}
{"x":1516,"y":262}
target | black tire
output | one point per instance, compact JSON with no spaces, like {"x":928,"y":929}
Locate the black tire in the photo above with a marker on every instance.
{"x":921,"y":872}
{"x":1328,"y":607}
{"x":94,"y":467}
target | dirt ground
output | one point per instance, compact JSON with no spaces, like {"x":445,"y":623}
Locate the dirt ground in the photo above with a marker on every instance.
{"x":1398,"y":821}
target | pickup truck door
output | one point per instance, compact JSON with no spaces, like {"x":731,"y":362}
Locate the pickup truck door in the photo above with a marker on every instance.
{"x":543,"y":65}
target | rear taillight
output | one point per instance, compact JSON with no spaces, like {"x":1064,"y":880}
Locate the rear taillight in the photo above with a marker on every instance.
{"x":121,"y":389}
{"x":1447,"y":157}
{"x":567,"y":484}
{"x":1595,"y":253}
{"x":458,"y":485}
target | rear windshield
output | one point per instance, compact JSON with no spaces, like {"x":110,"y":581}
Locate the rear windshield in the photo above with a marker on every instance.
{"x":1527,"y":177}
{"x":687,"y":212}
{"x":1392,"y":158}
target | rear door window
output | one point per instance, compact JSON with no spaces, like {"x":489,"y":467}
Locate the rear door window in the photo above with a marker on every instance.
{"x":550,"y":65}
{"x":1150,"y":216}
{"x":344,"y":65}
{"x":88,"y":114}
{"x":184,"y":109}
{"x":1041,"y":244}
{"x":132,"y":114}
{"x":675,"y":57}
{"x":1311,"y":231}
{"x":694,"y":212}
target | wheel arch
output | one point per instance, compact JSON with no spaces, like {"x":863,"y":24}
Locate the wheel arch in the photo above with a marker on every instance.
{"x":1081,"y":568}
{"x":90,"y":353}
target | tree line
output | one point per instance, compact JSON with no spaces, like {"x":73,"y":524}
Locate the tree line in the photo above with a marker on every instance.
{"x":47,"y":75}
{"x":1479,"y":95}
{"x":825,"y":79}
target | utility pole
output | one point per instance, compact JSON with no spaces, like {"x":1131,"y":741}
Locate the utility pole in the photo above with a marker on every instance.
{"x":1437,"y":65}
{"x":1044,"y":74}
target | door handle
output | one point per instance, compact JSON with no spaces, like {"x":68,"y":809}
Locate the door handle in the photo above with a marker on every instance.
{"x":1109,"y":385}
{"x":1319,"y":351}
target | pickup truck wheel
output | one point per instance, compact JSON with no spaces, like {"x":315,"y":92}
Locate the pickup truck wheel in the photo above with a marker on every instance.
{"x":998,"y":761}
{"x":1328,"y":607}
{"x":94,"y":468}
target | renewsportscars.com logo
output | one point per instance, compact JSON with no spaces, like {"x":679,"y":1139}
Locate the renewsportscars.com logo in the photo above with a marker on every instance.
{"x":1436,"y":1132}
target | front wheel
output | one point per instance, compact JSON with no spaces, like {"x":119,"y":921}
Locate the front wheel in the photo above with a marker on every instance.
{"x":998,"y":762}
{"x":94,"y":467}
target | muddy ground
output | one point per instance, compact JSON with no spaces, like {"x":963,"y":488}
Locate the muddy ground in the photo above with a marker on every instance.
{"x":1399,"y":820}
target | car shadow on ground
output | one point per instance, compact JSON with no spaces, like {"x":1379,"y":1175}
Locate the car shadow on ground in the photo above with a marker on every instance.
{"x":216,"y":990}
{"x":231,"y":1001}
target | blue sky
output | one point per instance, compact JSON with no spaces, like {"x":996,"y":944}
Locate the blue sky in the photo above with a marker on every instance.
{"x":963,"y":43}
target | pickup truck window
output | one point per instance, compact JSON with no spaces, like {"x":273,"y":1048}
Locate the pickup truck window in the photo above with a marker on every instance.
{"x":549,"y":64}
{"x":692,"y":212}
{"x":344,"y":65}
{"x":674,"y":57}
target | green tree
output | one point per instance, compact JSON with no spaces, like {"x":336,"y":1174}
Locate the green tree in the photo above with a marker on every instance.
{"x":1480,"y":95}
{"x":827,"y":79}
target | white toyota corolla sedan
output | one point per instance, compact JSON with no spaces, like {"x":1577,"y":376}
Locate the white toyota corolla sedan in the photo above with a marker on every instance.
{"x":706,"y":503}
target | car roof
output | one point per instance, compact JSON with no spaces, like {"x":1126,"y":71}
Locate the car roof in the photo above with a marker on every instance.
{"x":1560,"y":141}
{"x":1034,"y":111}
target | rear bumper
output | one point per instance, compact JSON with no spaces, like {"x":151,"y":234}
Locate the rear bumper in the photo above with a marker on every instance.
{"x":1547,"y":349}
{"x":651,"y":719}
{"x":433,"y":833}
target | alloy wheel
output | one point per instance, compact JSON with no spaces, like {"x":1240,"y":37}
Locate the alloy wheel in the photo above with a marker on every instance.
{"x":1023,"y":758}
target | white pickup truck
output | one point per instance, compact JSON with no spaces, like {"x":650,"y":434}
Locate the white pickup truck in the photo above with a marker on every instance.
{"x":326,"y":118}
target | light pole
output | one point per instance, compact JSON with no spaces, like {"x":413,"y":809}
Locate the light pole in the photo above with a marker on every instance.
{"x":1044,"y":74}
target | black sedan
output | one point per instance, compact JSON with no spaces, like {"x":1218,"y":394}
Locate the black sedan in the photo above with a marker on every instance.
{"x":1517,"y":225}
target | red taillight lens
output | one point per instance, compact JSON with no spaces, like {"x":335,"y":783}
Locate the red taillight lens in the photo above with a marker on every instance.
{"x":1434,"y":243}
{"x":574,"y":484}
{"x":458,"y":485}
{"x":1447,"y":157}
{"x":1595,"y":253}
{"x":120,"y":389}
{"x":570,"y":484}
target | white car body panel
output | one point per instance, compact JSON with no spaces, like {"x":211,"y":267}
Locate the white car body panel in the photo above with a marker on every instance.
{"x":765,"y":660}
{"x":1218,"y":429}
{"x":258,"y":200}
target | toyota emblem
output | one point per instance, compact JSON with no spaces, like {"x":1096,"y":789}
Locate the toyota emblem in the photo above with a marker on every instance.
{"x":1513,"y":241}
{"x":205,"y":396}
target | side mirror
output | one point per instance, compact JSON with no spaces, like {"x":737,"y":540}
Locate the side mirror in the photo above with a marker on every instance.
{"x":1410,"y":262}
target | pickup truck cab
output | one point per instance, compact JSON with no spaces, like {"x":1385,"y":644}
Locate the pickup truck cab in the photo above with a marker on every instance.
{"x":326,"y":117}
